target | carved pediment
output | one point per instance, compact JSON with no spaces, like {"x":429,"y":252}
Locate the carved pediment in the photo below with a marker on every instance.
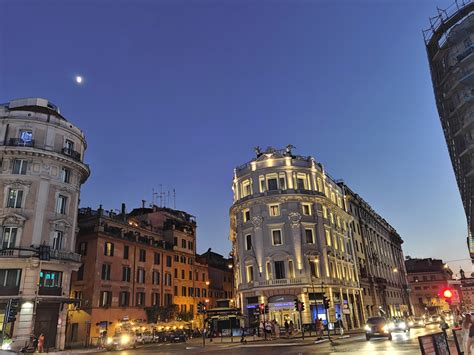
{"x":60,"y":224}
{"x":17,"y":183}
{"x":12,"y":219}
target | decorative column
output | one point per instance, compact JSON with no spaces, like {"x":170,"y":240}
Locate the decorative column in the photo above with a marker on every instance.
{"x":258,"y":233}
{"x":295,"y":222}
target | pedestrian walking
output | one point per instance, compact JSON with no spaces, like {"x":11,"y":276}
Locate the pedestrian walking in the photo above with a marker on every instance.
{"x":268,"y":331}
{"x":319,"y":328}
{"x":277,"y":330}
{"x":242,"y":339}
{"x":41,"y":341}
{"x":287,"y":327}
{"x":341,"y":325}
{"x":292,"y":327}
{"x":466,"y":325}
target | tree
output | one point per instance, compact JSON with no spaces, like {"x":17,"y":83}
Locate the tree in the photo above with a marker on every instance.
{"x":166,"y":313}
{"x":185,"y":316}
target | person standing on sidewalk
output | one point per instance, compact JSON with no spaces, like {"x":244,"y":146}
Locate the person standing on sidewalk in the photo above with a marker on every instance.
{"x":319,"y":328}
{"x":41,"y":343}
{"x":277,"y":330}
{"x":466,"y":325}
{"x":287,"y":327}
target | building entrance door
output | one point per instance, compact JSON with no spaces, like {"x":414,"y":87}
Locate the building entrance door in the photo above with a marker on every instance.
{"x":46,"y":322}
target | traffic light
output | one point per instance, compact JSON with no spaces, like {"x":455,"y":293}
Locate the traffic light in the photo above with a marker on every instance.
{"x":44,"y":252}
{"x":297,"y":303}
{"x":13,"y":306}
{"x":326,"y":302}
{"x":266,"y":309}
{"x":448,"y":295}
{"x":262,"y":308}
{"x":201,"y":308}
{"x":301,"y":307}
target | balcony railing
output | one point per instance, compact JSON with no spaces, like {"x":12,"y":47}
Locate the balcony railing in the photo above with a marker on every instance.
{"x":9,"y":291}
{"x":27,"y":253}
{"x":72,"y":153}
{"x":18,"y":142}
{"x":50,"y":291}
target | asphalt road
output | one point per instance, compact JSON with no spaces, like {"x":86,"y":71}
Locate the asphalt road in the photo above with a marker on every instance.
{"x":402,"y":343}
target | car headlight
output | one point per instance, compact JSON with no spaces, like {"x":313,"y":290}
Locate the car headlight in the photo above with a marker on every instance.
{"x":403,"y":325}
{"x":431,"y":319}
{"x":385,"y":329}
{"x":411,"y":324}
{"x":125,"y":339}
{"x":391,"y":325}
{"x":110,"y":340}
{"x":367,"y":328}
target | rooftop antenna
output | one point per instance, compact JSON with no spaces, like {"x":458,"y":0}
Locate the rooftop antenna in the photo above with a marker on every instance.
{"x":161,"y":195}
{"x":174,"y":199}
{"x":168,"y":198}
{"x":154,"y":194}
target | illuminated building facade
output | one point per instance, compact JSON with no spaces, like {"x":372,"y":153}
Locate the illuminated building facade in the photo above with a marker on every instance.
{"x":290,"y":236}
{"x":41,"y":172}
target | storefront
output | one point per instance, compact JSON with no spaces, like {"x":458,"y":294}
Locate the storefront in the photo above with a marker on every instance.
{"x":282,"y":309}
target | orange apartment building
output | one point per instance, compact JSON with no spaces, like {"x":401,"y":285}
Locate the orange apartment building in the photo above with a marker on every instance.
{"x":132,"y":261}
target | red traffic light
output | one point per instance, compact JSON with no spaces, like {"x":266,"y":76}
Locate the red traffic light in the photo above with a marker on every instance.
{"x":448,"y":294}
{"x":262,"y":306}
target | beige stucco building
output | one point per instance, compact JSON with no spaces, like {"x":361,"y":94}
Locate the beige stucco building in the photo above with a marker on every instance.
{"x":289,"y":230}
{"x":41,"y":172}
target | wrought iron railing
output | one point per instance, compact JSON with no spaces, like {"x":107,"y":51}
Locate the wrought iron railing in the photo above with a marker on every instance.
{"x":72,"y":153}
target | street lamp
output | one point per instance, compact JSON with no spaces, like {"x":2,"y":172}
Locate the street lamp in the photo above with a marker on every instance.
{"x":395,"y":269}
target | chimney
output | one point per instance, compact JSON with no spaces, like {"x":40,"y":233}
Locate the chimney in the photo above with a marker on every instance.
{"x":143,"y":203}
{"x":123,"y":211}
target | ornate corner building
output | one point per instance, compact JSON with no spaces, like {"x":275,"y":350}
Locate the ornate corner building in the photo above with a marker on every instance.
{"x":450,"y":48}
{"x":41,"y":173}
{"x":290,"y":236}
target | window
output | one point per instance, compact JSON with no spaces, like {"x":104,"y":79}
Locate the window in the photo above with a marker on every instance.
{"x":142,"y":255}
{"x":276,"y":237}
{"x":279,"y":270}
{"x":61,"y":203}
{"x":328,"y":237}
{"x":9,"y":237}
{"x":309,"y":236}
{"x":69,"y":145}
{"x":169,"y":261}
{"x":126,"y":271}
{"x":274,"y":210}
{"x":15,"y":197}
{"x":82,"y":249}
{"x":124,"y":299}
{"x":19,"y":166}
{"x":106,"y":271}
{"x":301,"y":183}
{"x":167,"y":279}
{"x":190,"y":245}
{"x":272,"y":183}
{"x":175,"y":241}
{"x":176,"y":258}
{"x":57,"y":240}
{"x":168,"y":299}
{"x":155,"y":278}
{"x":65,"y":175}
{"x":246,"y":215}
{"x":183,"y":244}
{"x":313,"y":265}
{"x":306,"y":209}
{"x":183,"y":291}
{"x":80,"y":273}
{"x":269,"y":270}
{"x":50,"y":278}
{"x":182,"y":274}
{"x":325,"y":212}
{"x":198,"y":292}
{"x":105,"y":299}
{"x":140,"y":276}
{"x":10,"y":278}
{"x":109,"y":249}
{"x":140,"y":300}
{"x":203,"y":292}
{"x":125,"y":252}
{"x":248,"y":242}
{"x":261,"y":180}
{"x":246,"y":188}
{"x":155,"y":299}
{"x":191,"y":292}
{"x":190,"y":275}
{"x":156,"y":259}
{"x":249,"y":273}
{"x":26,"y":137}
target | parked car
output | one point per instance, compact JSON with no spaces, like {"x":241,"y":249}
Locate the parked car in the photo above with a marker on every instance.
{"x":417,"y":322}
{"x":399,"y":324}
{"x":377,"y":327}
{"x":178,"y":336}
{"x":144,"y":338}
{"x":121,"y":341}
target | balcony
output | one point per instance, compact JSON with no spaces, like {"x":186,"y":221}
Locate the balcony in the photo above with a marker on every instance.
{"x":18,"y":142}
{"x":28,"y":253}
{"x":50,"y":291}
{"x":71,"y":153}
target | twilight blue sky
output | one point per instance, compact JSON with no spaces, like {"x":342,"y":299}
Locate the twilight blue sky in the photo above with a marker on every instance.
{"x":178,"y":92}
